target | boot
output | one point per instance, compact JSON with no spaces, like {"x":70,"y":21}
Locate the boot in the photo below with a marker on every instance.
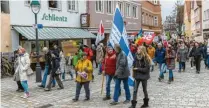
{"x":145,"y":105}
{"x":106,"y":98}
{"x":133,"y":104}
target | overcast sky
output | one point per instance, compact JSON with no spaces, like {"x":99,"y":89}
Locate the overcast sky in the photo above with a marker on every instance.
{"x":166,"y":8}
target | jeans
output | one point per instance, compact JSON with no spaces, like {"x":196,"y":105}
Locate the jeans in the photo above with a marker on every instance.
{"x":100,"y":68}
{"x":86,"y":87}
{"x":161,"y":72}
{"x":45,"y":77}
{"x":117,"y":89}
{"x":63,"y":75}
{"x":208,"y":61}
{"x":25,"y":86}
{"x":181,"y":66}
{"x":170,"y":73}
{"x":136,"y":86}
{"x":108,"y":82}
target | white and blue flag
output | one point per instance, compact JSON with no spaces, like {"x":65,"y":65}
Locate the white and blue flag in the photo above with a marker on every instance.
{"x":118,"y":35}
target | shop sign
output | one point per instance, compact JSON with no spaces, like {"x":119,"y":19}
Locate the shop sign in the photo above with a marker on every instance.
{"x":53,"y":17}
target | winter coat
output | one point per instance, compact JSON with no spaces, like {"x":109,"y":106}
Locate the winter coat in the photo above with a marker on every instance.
{"x":48,"y":60}
{"x":196,"y":52}
{"x":109,"y":64}
{"x":170,"y":59}
{"x":182,"y":54}
{"x":122,"y":69}
{"x":89,"y":53}
{"x":143,"y":68}
{"x":55,"y":63}
{"x":151,"y":52}
{"x":160,"y":55}
{"x":80,"y":67}
{"x":99,"y":54}
{"x":23,"y":66}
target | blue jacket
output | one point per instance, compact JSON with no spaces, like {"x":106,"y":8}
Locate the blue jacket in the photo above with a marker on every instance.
{"x":160,"y":55}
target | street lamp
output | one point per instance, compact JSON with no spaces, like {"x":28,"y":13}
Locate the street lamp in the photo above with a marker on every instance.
{"x":35,"y":7}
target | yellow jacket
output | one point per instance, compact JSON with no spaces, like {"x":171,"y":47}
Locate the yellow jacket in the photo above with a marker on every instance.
{"x":151,"y":52}
{"x":81,"y":65}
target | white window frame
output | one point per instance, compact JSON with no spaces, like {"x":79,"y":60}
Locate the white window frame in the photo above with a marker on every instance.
{"x":109,"y":11}
{"x":128,"y":12}
{"x":135,"y":17}
{"x":59,"y":5}
{"x":122,"y":8}
{"x":26,"y":3}
{"x":143,"y":21}
{"x":155,"y":21}
{"x":155,"y":2}
{"x":102,"y":6}
{"x":76,"y":6}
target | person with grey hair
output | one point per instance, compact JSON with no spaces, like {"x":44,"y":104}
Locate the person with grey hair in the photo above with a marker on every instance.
{"x":160,"y":59}
{"x":122,"y":73}
{"x":47,"y":67}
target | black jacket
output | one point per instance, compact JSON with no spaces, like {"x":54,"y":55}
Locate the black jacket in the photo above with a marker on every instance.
{"x":48,"y":60}
{"x":196,"y":52}
{"x":143,"y":71}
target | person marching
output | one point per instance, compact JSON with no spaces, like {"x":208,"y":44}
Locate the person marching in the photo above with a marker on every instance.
{"x":99,"y":56}
{"x":108,"y":69}
{"x":197,"y":54}
{"x":84,"y":71}
{"x":170,"y":61}
{"x":22,"y":68}
{"x":122,"y":73}
{"x":182,"y":56}
{"x":141,"y":73}
{"x":54,"y":74}
{"x":160,"y":59}
{"x":48,"y":68}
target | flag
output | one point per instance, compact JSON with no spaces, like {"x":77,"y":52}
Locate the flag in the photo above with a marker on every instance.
{"x":100,"y":34}
{"x":139,"y":39}
{"x":148,"y":38}
{"x":118,"y":35}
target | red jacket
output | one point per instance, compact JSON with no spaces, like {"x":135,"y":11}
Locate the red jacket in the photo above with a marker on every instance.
{"x":89,"y":53}
{"x":109,"y":64}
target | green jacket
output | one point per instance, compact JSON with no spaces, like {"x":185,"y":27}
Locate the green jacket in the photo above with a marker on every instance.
{"x":75,"y":60}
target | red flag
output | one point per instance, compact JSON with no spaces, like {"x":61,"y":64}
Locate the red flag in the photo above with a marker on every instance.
{"x":148,"y":38}
{"x":100,"y":34}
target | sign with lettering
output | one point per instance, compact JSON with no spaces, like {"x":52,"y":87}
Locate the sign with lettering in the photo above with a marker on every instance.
{"x":53,"y":17}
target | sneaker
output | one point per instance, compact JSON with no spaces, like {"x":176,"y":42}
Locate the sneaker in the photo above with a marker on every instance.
{"x":113,"y":103}
{"x":106,"y":98}
{"x":75,"y":100}
{"x":87,"y":99}
{"x":25,"y":95}
{"x":60,"y":88}
{"x":126,"y":101}
{"x":169,"y":82}
{"x":53,"y":85}
{"x":41,"y":86}
{"x":192,"y":68}
{"x":160,"y":79}
{"x":47,"y":89}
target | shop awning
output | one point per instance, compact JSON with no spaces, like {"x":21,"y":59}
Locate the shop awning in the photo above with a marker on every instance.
{"x":51,"y":33}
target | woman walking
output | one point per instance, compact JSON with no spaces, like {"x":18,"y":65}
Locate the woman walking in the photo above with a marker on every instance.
{"x":108,"y":69}
{"x":84,"y":71}
{"x":22,"y":68}
{"x":197,"y":54}
{"x":170,"y":61}
{"x":141,"y":73}
{"x":182,"y":56}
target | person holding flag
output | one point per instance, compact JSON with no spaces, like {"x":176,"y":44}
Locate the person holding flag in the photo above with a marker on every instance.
{"x":122,"y":73}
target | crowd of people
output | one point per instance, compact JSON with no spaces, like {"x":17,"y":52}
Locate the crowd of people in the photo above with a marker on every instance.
{"x":113,"y":64}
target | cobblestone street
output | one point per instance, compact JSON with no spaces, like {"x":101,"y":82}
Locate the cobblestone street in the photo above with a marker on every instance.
{"x":189,"y":90}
